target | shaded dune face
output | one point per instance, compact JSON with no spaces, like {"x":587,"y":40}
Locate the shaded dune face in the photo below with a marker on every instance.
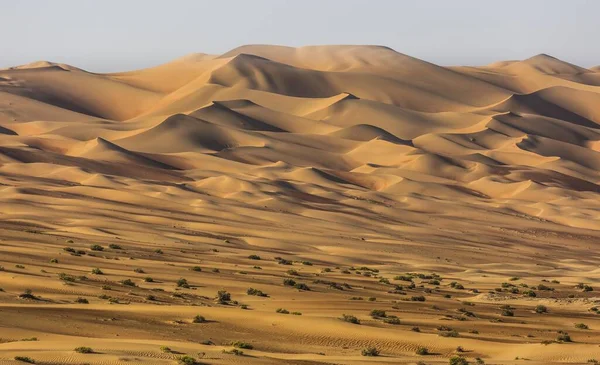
{"x":344,"y":156}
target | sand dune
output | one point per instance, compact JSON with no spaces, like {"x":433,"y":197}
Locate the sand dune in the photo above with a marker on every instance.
{"x":456,"y":199}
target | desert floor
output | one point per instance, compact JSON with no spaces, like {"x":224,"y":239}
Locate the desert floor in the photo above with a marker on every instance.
{"x":460,"y":203}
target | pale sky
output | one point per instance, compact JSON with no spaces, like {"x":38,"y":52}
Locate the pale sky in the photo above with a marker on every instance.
{"x":118,"y":35}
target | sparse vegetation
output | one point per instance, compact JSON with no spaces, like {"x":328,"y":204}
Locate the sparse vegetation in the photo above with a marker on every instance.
{"x":96,"y":248}
{"x":370,"y":351}
{"x":186,"y":360}
{"x":24,"y":359}
{"x":84,"y":350}
{"x":199,"y":319}
{"x":422,"y":351}
{"x":350,"y":319}
{"x":223,"y":297}
{"x":97,"y":271}
{"x":458,"y":360}
{"x":256,"y":292}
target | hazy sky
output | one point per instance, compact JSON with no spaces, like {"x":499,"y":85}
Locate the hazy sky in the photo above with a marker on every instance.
{"x":110,"y":35}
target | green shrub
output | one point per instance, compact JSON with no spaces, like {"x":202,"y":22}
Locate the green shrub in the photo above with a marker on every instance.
{"x":301,"y":286}
{"x":582,"y":326}
{"x":84,"y":350}
{"x":289,"y":282}
{"x":242,"y":345}
{"x":158,"y":251}
{"x":199,"y":319}
{"x":196,"y":268}
{"x":96,"y":248}
{"x":182,"y":283}
{"x":350,"y":319}
{"x":82,"y":301}
{"x":296,"y":313}
{"x":128,"y":282}
{"x":282,"y":311}
{"x":24,"y":359}
{"x":139,"y":270}
{"x":392,"y":320}
{"x":370,"y":351}
{"x":66,"y":277}
{"x":541,"y":309}
{"x":223,"y":296}
{"x":148,"y":279}
{"x":378,"y":313}
{"x":97,"y":271}
{"x":507,"y":312}
{"x":422,"y":351}
{"x":114,"y":246}
{"x":256,"y":292}
{"x":458,"y":360}
{"x":563,"y":337}
{"x":254,"y":257}
{"x":292,"y":272}
{"x":52,"y":261}
{"x":186,"y":360}
{"x":166,"y":349}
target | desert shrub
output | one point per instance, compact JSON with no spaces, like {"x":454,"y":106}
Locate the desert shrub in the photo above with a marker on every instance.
{"x":403,"y":277}
{"x":150,"y":297}
{"x":30,"y":339}
{"x":114,"y":246}
{"x":215,"y":270}
{"x":254,"y":257}
{"x":186,"y":360}
{"x":69,"y":249}
{"x":370,"y":351}
{"x":106,"y":287}
{"x":479,"y":361}
{"x":292,"y":272}
{"x":515,"y":278}
{"x":451,"y":333}
{"x":84,"y":350}
{"x":418,"y":298}
{"x":587,"y":288}
{"x":422,"y":351}
{"x":307,"y":263}
{"x":52,"y":261}
{"x":166,"y":349}
{"x":139,"y":270}
{"x":182,"y":283}
{"x":350,"y":319}
{"x":384,"y":281}
{"x":242,"y":345}
{"x":282,"y":261}
{"x":506,"y":312}
{"x":158,"y":251}
{"x":196,"y":268}
{"x":199,"y":319}
{"x":96,"y":248}
{"x":392,"y":320}
{"x":289,"y":282}
{"x":97,"y":271}
{"x":256,"y":292}
{"x":24,"y":359}
{"x":82,"y":301}
{"x":301,"y":286}
{"x":563,"y":337}
{"x":415,"y":329}
{"x":223,"y":296}
{"x":378,"y":313}
{"x":541,"y":309}
{"x":458,"y":360}
{"x":66,"y":277}
{"x":371,"y":299}
{"x":128,"y":282}
{"x":582,"y":326}
{"x":530,"y":293}
{"x":296,"y":313}
{"x":148,"y":279}
{"x":282,"y":311}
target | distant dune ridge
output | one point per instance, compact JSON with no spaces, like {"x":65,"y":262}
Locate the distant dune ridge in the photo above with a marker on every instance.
{"x":344,"y":156}
{"x":323,"y":106}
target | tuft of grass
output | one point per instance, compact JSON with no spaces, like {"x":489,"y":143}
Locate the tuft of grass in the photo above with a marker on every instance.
{"x":128,"y":282}
{"x":196,"y":268}
{"x":166,"y":349}
{"x":97,"y":271}
{"x":96,"y":248}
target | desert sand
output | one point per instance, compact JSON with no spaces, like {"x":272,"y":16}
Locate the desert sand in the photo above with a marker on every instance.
{"x":460,"y":203}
